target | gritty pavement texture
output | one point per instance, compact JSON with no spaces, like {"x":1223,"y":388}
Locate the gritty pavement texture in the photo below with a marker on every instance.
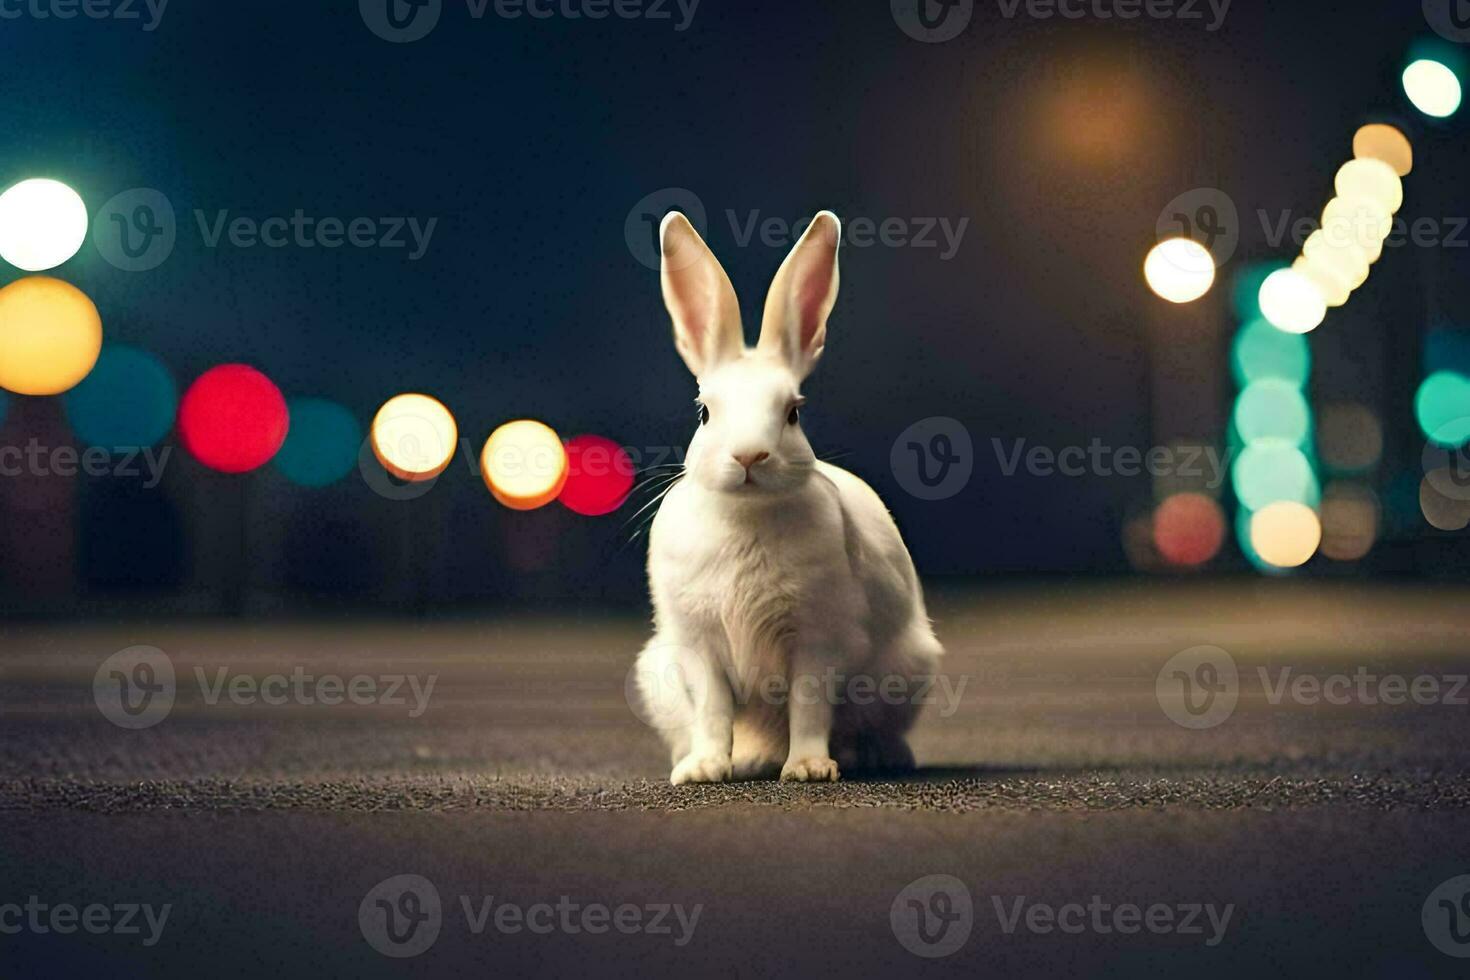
{"x":1051,"y":775}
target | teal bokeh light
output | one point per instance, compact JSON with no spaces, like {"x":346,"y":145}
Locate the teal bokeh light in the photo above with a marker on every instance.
{"x":322,"y":445}
{"x":1261,"y":351}
{"x":1273,"y":409}
{"x":1443,"y":408}
{"x":1245,"y":293}
{"x":128,"y":402}
{"x":1271,"y":470}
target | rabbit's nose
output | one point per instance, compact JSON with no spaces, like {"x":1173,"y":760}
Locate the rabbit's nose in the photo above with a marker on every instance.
{"x":747,"y":460}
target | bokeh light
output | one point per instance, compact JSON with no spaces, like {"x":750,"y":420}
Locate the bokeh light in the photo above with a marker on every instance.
{"x":1433,"y":88}
{"x":50,"y":336}
{"x":1345,"y":260}
{"x":233,"y":419}
{"x":1361,"y":221}
{"x":1245,"y":293}
{"x":1286,"y":534}
{"x":42,"y":224}
{"x":1350,"y":520}
{"x":1261,"y":351}
{"x":599,"y":476}
{"x":1445,"y":511}
{"x":1447,"y":349}
{"x":1334,"y":289}
{"x":4,"y":406}
{"x":1442,"y":406}
{"x":414,"y":437}
{"x":128,"y":401}
{"x":1272,"y":470}
{"x":1349,"y":437}
{"x":1273,"y":409}
{"x":323,"y":443}
{"x":1371,"y":179}
{"x":1179,"y":270}
{"x":1379,"y":141}
{"x":524,"y":464}
{"x":1291,"y":303}
{"x":1189,"y":529}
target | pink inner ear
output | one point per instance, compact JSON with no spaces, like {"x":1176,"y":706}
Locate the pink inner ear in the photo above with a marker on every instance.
{"x":813,"y":289}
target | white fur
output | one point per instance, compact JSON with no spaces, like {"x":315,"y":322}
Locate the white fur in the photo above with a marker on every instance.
{"x":770,"y":582}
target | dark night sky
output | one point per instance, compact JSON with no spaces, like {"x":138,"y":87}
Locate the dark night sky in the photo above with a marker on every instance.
{"x":530,"y":141}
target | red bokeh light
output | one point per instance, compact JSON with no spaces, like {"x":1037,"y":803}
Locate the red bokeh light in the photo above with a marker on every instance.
{"x":599,"y":477}
{"x":1189,"y":529}
{"x":233,"y":419}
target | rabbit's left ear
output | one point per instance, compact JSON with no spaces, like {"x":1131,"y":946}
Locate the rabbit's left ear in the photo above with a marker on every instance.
{"x":802,"y":296}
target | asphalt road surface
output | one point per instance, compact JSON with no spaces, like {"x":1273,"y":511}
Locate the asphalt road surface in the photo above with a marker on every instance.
{"x":1306,"y":814}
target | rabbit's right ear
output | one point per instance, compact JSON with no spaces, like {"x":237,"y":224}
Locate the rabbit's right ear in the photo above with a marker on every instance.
{"x":700,"y":299}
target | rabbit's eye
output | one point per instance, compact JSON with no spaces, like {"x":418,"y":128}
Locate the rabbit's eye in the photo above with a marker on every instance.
{"x":794,"y":416}
{"x":703,"y":414}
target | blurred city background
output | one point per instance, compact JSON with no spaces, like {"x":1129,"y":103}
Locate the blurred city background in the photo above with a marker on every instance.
{"x":471,"y":216}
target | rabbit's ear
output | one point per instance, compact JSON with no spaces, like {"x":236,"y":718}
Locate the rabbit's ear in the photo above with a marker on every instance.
{"x":802,"y":296}
{"x":700,"y":299}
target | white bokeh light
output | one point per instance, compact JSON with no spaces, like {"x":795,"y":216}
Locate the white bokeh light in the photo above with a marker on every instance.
{"x":42,"y":224}
{"x":1291,"y":302}
{"x":1179,"y":270}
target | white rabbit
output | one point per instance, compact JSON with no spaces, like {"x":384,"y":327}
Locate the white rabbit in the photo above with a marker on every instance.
{"x":789,"y":621}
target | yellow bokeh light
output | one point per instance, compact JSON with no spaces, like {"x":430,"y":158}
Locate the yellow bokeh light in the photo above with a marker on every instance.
{"x":50,"y":336}
{"x":1286,"y":534}
{"x":1347,"y":260}
{"x":42,"y":224}
{"x":1373,"y":179}
{"x":1334,"y":290}
{"x":1382,"y":142}
{"x":1433,"y":88}
{"x":414,"y":437}
{"x":1290,"y":302}
{"x":1179,"y":270}
{"x":524,"y":464}
{"x":1360,"y":221}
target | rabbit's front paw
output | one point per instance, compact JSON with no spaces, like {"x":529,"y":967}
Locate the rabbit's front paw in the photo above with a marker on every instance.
{"x":810,"y":770}
{"x":697,"y":768}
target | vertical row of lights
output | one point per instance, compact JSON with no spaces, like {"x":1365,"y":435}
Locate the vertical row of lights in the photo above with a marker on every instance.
{"x":1285,"y":517}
